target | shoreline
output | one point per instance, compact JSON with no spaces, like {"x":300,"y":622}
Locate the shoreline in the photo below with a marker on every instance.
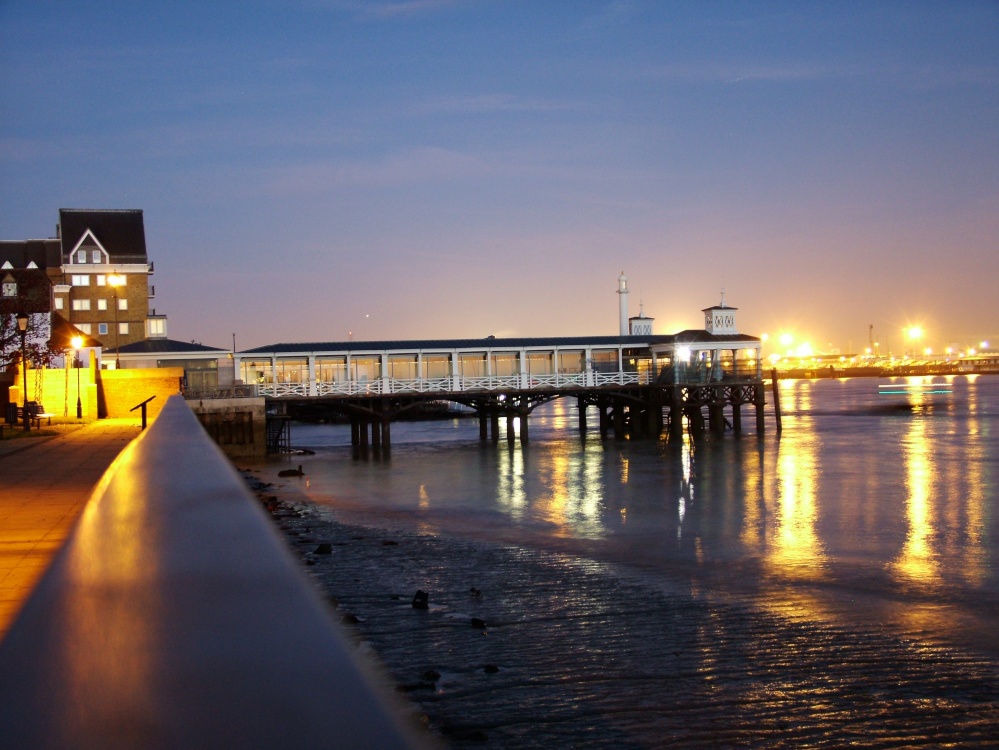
{"x":558,"y":650}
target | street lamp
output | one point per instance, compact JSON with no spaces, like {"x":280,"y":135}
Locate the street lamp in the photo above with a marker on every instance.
{"x":915,"y":333}
{"x":115,"y":281}
{"x":22,"y":326}
{"x":77,"y":345}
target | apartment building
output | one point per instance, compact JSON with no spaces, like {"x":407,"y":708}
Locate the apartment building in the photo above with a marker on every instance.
{"x":99,"y":272}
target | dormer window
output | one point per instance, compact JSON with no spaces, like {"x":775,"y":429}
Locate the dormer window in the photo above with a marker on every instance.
{"x":81,"y":257}
{"x":8,"y":288}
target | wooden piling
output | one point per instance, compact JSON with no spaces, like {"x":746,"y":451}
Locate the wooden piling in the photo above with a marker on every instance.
{"x":776,"y":390}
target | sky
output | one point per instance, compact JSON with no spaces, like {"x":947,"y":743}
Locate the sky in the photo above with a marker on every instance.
{"x":318,"y":170}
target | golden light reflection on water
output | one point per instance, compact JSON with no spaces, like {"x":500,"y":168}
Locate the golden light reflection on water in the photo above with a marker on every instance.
{"x":917,"y":561}
{"x":510,"y":494}
{"x":573,"y":501}
{"x":796,"y":549}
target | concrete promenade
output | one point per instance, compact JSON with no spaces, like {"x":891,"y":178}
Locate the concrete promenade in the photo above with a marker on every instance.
{"x":45,"y":483}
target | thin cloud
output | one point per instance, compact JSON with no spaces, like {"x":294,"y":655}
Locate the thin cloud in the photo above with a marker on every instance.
{"x":491,"y":103}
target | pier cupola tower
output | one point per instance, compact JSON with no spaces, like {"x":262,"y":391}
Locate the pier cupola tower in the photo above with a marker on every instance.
{"x":622,"y":292}
{"x":720,"y":319}
{"x":641,"y":324}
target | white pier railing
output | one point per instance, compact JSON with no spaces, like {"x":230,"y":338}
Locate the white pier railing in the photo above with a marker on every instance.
{"x":455,"y":384}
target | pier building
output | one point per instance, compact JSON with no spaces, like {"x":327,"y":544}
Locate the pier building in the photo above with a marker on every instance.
{"x":638,"y":384}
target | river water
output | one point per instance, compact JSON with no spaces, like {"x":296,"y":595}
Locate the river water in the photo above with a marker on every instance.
{"x":836,"y":587}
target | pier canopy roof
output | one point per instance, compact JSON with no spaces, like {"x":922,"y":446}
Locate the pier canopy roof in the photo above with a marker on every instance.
{"x":491,"y":342}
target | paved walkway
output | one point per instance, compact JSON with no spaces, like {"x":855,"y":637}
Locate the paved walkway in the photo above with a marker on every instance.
{"x":44,"y":484}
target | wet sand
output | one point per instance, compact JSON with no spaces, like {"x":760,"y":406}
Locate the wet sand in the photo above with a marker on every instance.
{"x":525,"y":648}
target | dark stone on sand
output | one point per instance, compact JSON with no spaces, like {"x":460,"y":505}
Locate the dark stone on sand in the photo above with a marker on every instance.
{"x":476,"y":594}
{"x":292,"y":472}
{"x":421,"y":600}
{"x":324,"y":549}
{"x":389,"y":543}
{"x":490,"y":669}
{"x":431,"y":675}
{"x":349,"y":619}
{"x":333,"y":601}
{"x":478,"y":623}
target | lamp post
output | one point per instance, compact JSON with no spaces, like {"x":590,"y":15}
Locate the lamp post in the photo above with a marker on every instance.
{"x":115,"y":281}
{"x":22,"y":326}
{"x":77,"y":345}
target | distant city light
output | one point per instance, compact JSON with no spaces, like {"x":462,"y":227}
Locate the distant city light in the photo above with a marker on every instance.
{"x":683,"y":353}
{"x":786,"y":339}
{"x":915,"y":332}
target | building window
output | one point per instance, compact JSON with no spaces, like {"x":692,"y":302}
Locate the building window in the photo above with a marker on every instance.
{"x":80,"y":280}
{"x":101,"y":279}
{"x":95,"y":256}
{"x":81,"y":304}
{"x":81,"y":257}
{"x":85,"y":327}
{"x":10,"y":289}
{"x":123,"y":329}
{"x":102,"y":304}
{"x":102,"y":329}
{"x":122,"y":304}
{"x":59,"y":303}
{"x":157,"y":327}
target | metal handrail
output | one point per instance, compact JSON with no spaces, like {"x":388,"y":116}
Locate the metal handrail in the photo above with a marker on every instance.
{"x":176,"y":617}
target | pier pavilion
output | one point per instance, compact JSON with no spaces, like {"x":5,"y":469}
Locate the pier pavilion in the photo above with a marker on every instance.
{"x":639,"y":384}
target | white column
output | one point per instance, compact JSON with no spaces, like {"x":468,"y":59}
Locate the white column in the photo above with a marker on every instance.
{"x":622,"y":291}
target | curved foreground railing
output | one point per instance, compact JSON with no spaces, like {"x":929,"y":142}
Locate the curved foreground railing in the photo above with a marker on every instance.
{"x":176,"y":617}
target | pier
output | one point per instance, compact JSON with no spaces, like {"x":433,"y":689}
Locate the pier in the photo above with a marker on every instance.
{"x":634,"y":386}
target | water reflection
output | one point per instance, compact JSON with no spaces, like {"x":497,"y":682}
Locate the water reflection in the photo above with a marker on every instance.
{"x":796,"y":548}
{"x":570,"y":496}
{"x":917,"y":562}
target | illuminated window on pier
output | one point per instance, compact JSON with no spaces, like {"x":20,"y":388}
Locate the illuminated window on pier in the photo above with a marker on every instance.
{"x":506,"y":364}
{"x":472,"y":365}
{"x":541,"y":363}
{"x":604,"y":360}
{"x":364,"y":369}
{"x":292,"y":371}
{"x":331,"y":369}
{"x":256,"y":371}
{"x":402,"y":366}
{"x":570,"y":363}
{"x":436,"y":366}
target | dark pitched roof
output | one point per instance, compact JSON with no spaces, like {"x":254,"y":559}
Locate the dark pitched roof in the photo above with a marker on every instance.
{"x":692,"y":335}
{"x":120,"y":231}
{"x":19,"y":253}
{"x":62,"y":333}
{"x":492,"y":343}
{"x":34,"y":291}
{"x":165,"y":346}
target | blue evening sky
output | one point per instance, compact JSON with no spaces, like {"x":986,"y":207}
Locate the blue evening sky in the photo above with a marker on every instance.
{"x":449,"y":168}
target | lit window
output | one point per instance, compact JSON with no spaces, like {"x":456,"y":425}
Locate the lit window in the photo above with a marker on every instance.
{"x":80,"y":280}
{"x":59,"y":303}
{"x":10,"y":289}
{"x":81,"y":257}
{"x":102,"y":329}
{"x":122,"y":304}
{"x":102,"y":304}
{"x":81,"y":304}
{"x":85,"y":327}
{"x":101,"y":279}
{"x":95,"y":256}
{"x":123,"y":329}
{"x":157,"y":327}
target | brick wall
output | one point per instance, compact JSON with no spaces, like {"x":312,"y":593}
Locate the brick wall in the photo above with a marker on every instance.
{"x":119,"y":390}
